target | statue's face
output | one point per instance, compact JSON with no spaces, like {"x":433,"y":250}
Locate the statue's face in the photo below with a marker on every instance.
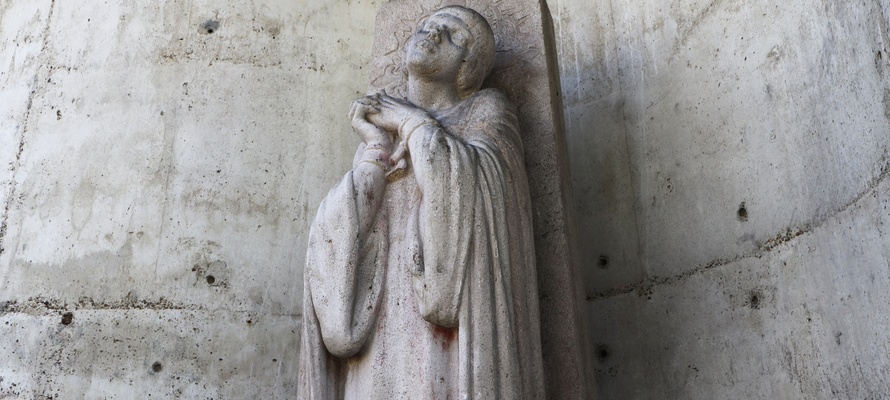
{"x":438,"y":48}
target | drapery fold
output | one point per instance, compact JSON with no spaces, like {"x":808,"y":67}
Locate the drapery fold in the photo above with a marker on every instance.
{"x":469,"y":251}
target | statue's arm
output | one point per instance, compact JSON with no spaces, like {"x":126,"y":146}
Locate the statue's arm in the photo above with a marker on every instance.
{"x":460,"y":180}
{"x":444,"y":168}
{"x":369,"y":180}
{"x":344,"y":263}
{"x":370,"y":163}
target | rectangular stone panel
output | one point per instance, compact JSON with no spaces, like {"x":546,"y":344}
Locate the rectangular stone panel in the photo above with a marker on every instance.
{"x":525,"y":68}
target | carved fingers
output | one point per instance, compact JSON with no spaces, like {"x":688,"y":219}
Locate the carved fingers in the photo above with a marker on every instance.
{"x":359,"y":113}
{"x":363,"y":106}
{"x":394,"y":113}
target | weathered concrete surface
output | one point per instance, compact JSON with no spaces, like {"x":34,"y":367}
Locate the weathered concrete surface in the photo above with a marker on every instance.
{"x":802,"y":321}
{"x":155,"y":156}
{"x":697,"y":105}
{"x":124,"y":351}
{"x":712,"y":104}
{"x":25,"y":25}
{"x":679,"y":113}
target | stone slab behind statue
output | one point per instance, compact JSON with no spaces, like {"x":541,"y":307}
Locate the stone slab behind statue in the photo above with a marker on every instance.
{"x":525,"y":68}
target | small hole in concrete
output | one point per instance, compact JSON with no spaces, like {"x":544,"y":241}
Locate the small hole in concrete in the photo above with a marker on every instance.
{"x":603,"y":261}
{"x":754,"y":300}
{"x":67,"y":318}
{"x":210,"y":26}
{"x":157,"y":367}
{"x":210,"y":279}
{"x":743,"y":212}
{"x":602,"y":352}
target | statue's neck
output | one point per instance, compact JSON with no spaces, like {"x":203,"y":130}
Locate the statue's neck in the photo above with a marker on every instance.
{"x":432,"y":95}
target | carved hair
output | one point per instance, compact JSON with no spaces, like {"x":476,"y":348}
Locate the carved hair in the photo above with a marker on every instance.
{"x":480,"y":57}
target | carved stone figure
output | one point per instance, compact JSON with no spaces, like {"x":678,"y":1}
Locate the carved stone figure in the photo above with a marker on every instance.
{"x":420,"y":280}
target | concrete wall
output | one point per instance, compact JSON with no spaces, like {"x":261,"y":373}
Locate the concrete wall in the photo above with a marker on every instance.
{"x":141,"y":155}
{"x":730,"y":161}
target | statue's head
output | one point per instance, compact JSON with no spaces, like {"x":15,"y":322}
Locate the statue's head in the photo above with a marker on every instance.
{"x":453,"y":43}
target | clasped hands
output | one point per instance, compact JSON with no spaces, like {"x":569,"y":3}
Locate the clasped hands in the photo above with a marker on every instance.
{"x":378,"y":119}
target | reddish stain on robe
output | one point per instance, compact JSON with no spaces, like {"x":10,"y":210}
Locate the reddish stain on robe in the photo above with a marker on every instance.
{"x":445,"y":335}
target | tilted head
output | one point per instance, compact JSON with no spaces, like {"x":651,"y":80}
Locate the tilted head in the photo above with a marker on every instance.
{"x":474,"y":47}
{"x":480,"y":59}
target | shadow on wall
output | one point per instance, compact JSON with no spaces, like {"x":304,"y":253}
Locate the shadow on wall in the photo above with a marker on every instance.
{"x":713,"y":146}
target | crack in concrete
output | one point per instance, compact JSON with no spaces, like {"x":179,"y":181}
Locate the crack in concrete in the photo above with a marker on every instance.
{"x":11,"y":193}
{"x":684,"y":34}
{"x":632,"y":175}
{"x":646,"y":285}
{"x":884,"y":23}
{"x":43,"y":306}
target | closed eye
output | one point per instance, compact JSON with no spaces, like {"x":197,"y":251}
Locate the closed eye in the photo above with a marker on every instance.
{"x":459,"y":38}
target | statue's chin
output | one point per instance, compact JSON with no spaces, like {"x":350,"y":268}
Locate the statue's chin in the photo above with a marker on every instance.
{"x":420,"y":65}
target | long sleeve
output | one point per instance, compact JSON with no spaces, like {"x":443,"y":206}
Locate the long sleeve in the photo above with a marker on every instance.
{"x":477,"y":271}
{"x":460,"y":180}
{"x":344,"y":267}
{"x":445,"y":169}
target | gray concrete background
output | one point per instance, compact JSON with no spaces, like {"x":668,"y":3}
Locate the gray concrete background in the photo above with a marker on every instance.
{"x":680,"y":113}
{"x":141,"y":154}
{"x":146,"y":155}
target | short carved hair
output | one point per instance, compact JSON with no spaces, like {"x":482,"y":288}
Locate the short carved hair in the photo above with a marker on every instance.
{"x":480,"y":56}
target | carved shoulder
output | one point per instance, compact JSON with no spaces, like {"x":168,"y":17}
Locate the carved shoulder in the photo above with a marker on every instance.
{"x":494,"y":101}
{"x":492,"y":108}
{"x":495,"y":120}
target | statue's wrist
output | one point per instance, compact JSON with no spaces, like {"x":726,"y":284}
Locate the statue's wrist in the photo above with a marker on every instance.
{"x":378,"y":147}
{"x":382,"y":165}
{"x":420,"y":118}
{"x":414,"y":123}
{"x":377,"y":154}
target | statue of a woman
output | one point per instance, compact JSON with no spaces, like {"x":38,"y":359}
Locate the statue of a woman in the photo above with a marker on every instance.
{"x":420,"y":280}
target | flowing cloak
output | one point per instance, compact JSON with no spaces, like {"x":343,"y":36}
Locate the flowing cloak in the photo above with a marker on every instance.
{"x":438,"y":299}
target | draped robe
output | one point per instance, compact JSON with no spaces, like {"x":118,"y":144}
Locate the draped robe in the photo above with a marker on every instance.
{"x":438,"y":300}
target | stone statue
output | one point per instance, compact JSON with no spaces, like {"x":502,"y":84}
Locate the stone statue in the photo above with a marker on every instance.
{"x":420,"y":280}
